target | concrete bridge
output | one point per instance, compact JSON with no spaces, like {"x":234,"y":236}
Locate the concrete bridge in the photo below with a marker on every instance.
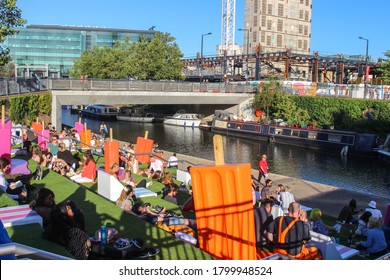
{"x":79,"y":92}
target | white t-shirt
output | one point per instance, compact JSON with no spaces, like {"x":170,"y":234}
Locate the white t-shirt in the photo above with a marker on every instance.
{"x":156,"y":165}
{"x":173,"y":161}
{"x":375,"y":212}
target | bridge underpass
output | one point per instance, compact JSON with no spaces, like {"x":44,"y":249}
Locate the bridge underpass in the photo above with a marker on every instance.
{"x":239,"y":101}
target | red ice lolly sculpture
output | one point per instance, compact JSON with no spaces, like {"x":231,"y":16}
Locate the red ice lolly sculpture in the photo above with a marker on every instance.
{"x":144,"y":146}
{"x":111,"y":152}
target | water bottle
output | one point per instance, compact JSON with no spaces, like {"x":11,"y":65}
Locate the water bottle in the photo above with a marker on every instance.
{"x":103,"y":235}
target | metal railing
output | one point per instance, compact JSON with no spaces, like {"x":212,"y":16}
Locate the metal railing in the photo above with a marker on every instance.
{"x":23,"y":251}
{"x":21,"y":85}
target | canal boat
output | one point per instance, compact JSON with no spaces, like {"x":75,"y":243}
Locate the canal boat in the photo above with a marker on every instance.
{"x":181,"y":118}
{"x":134,"y":114}
{"x":100,"y":112}
{"x":384,"y":150}
{"x":344,"y":142}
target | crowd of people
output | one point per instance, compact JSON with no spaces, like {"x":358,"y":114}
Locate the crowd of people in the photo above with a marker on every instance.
{"x":282,"y":226}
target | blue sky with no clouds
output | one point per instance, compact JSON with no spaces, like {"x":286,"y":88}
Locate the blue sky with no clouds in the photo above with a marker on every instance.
{"x":336,"y":25}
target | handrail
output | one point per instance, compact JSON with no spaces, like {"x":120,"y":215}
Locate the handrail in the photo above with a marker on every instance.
{"x":28,"y":252}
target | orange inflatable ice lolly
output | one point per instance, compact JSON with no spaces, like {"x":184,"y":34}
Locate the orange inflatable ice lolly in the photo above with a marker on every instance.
{"x":85,"y":137}
{"x":144,"y":146}
{"x":224,"y":208}
{"x":111,"y":152}
{"x":36,"y":126}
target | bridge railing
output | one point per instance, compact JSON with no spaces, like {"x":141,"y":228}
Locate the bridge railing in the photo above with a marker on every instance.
{"x":151,"y":86}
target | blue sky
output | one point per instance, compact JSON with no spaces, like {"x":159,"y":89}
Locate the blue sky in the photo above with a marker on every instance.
{"x":336,"y":24}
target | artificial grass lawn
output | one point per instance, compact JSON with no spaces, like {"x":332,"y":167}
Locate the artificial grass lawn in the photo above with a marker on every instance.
{"x":99,"y":211}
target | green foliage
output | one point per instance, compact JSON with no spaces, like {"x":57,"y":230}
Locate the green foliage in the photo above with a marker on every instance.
{"x":158,"y":59}
{"x":384,"y":68}
{"x":10,"y":17}
{"x":277,"y":104}
{"x":29,"y":107}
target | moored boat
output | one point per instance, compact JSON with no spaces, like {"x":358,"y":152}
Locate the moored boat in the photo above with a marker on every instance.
{"x":184,"y":119}
{"x":384,"y":150}
{"x":134,"y":114}
{"x":322,"y":139}
{"x":100,"y":112}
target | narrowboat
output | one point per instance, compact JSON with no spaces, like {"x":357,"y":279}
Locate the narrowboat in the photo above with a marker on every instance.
{"x":344,"y":142}
{"x":100,"y":112}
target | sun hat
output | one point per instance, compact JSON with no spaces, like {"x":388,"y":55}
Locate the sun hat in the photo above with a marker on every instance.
{"x":372,"y":204}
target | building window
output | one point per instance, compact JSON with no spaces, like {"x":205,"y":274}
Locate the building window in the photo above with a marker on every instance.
{"x":307,"y":15}
{"x":306,"y":30}
{"x":280,"y":10}
{"x":301,"y":14}
{"x":301,"y":1}
{"x":263,"y":21}
{"x":262,"y":37}
{"x":300,"y":29}
{"x":280,"y":25}
{"x":255,"y":6}
{"x":254,"y":36}
{"x":299,"y":44}
{"x":255,"y":21}
{"x":268,"y":40}
{"x":305,"y":45}
{"x":279,"y":41}
{"x":264,"y":6}
{"x":269,"y":9}
{"x":269,"y":24}
{"x":307,"y":3}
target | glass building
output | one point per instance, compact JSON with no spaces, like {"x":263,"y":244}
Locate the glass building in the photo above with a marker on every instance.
{"x":50,"y":50}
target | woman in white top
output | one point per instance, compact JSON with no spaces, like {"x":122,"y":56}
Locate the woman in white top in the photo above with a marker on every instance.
{"x":376,"y":213}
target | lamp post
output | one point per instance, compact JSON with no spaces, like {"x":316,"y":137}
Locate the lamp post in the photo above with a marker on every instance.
{"x":366,"y":66}
{"x":247,"y":50}
{"x":201,"y":57}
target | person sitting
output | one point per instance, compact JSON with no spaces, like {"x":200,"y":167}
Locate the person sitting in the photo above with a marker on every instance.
{"x":167,"y":180}
{"x":171,"y":192}
{"x":132,"y":164}
{"x":88,"y":173}
{"x":291,"y":234}
{"x":69,"y":230}
{"x":376,"y":242}
{"x":130,"y":180}
{"x":173,"y":161}
{"x":114,"y":170}
{"x":12,"y":189}
{"x":125,"y":200}
{"x":37,"y":155}
{"x":285,"y":197}
{"x":318,"y":224}
{"x":264,"y":224}
{"x":60,"y":166}
{"x":362,"y":225}
{"x":303,"y":218}
{"x":374,"y":211}
{"x":155,"y":165}
{"x":346,"y":215}
{"x":43,"y":205}
{"x":53,"y":146}
{"x":66,"y":155}
{"x":143,"y":211}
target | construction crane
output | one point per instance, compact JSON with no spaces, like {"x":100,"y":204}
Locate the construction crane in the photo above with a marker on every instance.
{"x":228,"y":25}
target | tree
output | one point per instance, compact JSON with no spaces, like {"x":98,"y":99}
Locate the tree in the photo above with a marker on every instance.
{"x":158,"y":59}
{"x":10,"y":17}
{"x":384,"y":68}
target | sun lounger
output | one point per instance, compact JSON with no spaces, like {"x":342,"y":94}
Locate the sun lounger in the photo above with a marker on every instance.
{"x":329,"y":249}
{"x":19,"y":215}
{"x":111,"y":188}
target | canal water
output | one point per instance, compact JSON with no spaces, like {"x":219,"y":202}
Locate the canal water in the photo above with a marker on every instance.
{"x":351,"y":173}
